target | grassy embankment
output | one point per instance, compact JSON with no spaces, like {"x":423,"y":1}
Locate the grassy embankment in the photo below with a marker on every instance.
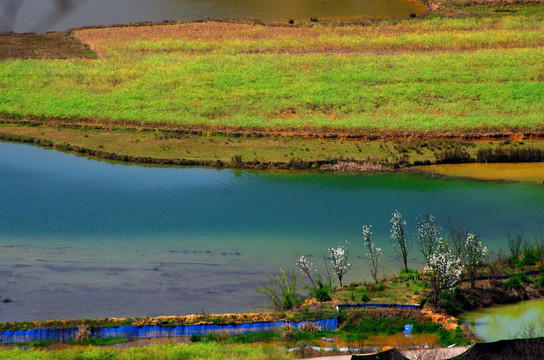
{"x":217,"y":93}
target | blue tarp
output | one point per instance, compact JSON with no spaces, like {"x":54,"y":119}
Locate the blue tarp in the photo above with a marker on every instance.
{"x":407,"y":329}
{"x":134,"y":332}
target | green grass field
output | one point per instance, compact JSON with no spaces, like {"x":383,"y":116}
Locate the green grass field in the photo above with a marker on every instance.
{"x":157,"y":352}
{"x":483,"y":71}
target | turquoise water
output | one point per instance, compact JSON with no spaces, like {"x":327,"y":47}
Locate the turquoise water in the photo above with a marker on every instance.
{"x":84,"y":238}
{"x":519,"y":320}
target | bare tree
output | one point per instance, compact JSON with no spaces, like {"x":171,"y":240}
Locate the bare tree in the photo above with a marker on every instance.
{"x":515,"y":243}
{"x":457,"y":232}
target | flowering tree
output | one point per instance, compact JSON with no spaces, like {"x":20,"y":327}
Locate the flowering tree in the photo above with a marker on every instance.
{"x":373,"y":253}
{"x":444,"y":270}
{"x":398,"y":235}
{"x":307,"y":268}
{"x":339,"y":260}
{"x":473,"y":256}
{"x":427,"y":236}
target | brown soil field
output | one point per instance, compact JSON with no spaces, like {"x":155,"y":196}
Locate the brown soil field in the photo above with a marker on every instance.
{"x":98,"y":39}
{"x":54,"y":45}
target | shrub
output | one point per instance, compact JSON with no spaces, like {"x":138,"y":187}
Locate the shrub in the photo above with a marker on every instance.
{"x":453,"y":302}
{"x":310,"y":328}
{"x":515,"y":282}
{"x":452,"y":337}
{"x":288,"y":333}
{"x":322,"y":292}
{"x":540,"y":281}
{"x":409,"y":274}
{"x":455,"y":156}
{"x":523,"y":154}
{"x":196,"y":338}
{"x":214,"y":337}
{"x":83,"y":333}
{"x":531,"y":256}
{"x":364,"y":297}
{"x":283,"y":293}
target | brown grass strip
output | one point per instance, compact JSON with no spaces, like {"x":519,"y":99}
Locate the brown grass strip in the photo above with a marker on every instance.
{"x":43,"y":46}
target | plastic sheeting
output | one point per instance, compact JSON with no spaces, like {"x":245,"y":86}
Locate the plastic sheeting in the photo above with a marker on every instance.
{"x":18,"y":336}
{"x":135,"y":332}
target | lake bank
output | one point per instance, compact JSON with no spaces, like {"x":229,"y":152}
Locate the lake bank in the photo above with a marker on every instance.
{"x":278,"y":151}
{"x":244,"y":94}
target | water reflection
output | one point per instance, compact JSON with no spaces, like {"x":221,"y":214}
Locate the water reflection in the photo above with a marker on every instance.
{"x":58,"y":15}
{"x":55,"y":10}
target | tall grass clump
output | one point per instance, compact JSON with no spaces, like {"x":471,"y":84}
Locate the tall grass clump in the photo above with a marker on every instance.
{"x":282,"y":292}
{"x":524,"y":154}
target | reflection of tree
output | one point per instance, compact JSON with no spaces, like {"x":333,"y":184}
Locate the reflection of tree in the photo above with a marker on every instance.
{"x":509,"y":321}
{"x":8,"y":14}
{"x":10,"y":10}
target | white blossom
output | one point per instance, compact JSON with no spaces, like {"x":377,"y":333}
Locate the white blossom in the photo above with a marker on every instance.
{"x":473,"y":256}
{"x":398,"y":236}
{"x":307,"y":268}
{"x":444,"y":270}
{"x":427,"y":236}
{"x":339,"y":260}
{"x":373,"y":252}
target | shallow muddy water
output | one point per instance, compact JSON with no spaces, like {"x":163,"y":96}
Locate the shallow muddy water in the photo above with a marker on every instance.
{"x":526,"y":172}
{"x":508,"y":321}
{"x":84,"y":238}
{"x":56,"y":15}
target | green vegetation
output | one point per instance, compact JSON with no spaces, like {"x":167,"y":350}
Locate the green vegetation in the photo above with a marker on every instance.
{"x":283,"y":291}
{"x":100,"y":341}
{"x":516,"y":281}
{"x":163,"y":147}
{"x":288,"y":97}
{"x":482,"y":89}
{"x":359,"y":324}
{"x":322,"y":291}
{"x":32,"y":344}
{"x":389,"y":76}
{"x":156,"y":352}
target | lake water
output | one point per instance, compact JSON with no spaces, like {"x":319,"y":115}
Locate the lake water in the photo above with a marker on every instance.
{"x":508,"y":321}
{"x":85,"y":238}
{"x":49,"y":15}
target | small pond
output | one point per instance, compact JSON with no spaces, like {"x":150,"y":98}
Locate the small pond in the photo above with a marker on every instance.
{"x":508,"y":321}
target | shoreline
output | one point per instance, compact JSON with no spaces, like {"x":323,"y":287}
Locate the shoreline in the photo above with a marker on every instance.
{"x":386,"y":161}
